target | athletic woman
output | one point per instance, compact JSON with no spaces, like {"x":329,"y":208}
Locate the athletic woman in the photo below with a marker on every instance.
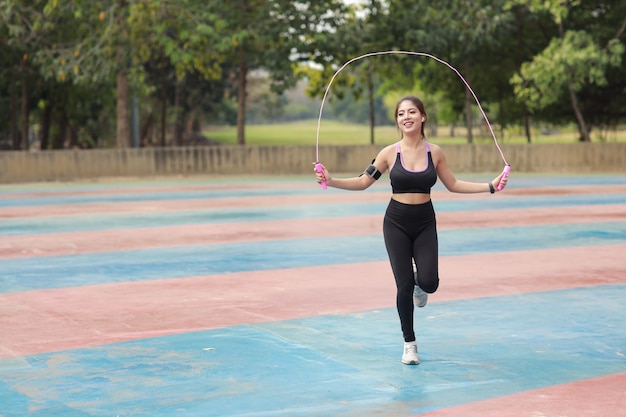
{"x":409,"y":226}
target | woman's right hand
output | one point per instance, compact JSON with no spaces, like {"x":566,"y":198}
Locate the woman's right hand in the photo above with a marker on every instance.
{"x":322,"y":176}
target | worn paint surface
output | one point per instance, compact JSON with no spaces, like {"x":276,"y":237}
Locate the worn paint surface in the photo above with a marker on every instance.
{"x":205,"y":297}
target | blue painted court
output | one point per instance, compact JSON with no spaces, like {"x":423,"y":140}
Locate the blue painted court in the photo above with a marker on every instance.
{"x":249,"y":297}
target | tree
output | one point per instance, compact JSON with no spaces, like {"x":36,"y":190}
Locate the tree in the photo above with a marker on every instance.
{"x":73,"y":65}
{"x":73,"y":49}
{"x":22,"y":34}
{"x":570,"y":62}
{"x":465,"y":34}
{"x":172,"y":40}
{"x":273,"y":36}
{"x":354,"y":37}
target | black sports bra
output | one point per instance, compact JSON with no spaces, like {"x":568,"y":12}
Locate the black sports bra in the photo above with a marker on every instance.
{"x":404,"y":180}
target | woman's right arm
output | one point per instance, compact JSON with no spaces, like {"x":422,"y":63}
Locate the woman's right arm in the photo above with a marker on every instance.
{"x":354,"y":183}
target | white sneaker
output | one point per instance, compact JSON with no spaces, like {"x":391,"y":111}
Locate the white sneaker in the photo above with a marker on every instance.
{"x":409,"y":357}
{"x":420,"y":298}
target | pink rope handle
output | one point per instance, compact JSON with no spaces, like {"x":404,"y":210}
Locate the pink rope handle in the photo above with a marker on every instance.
{"x":319,"y":120}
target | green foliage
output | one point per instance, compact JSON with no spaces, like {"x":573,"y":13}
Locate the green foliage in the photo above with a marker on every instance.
{"x":181,"y":32}
{"x":184,"y":56}
{"x":568,"y":78}
{"x":557,"y":9}
{"x":75,"y":40}
{"x":575,"y":59}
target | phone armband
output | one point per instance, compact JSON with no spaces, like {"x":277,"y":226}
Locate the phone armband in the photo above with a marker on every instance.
{"x":372,"y":172}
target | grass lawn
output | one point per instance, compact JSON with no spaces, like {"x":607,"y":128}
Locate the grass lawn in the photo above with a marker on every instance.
{"x":337,"y":133}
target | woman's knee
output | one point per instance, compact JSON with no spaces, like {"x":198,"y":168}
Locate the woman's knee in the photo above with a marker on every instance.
{"x":405,"y":287}
{"x":429,"y":286}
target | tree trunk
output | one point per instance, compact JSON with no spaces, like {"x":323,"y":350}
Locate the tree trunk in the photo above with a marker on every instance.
{"x":241,"y":98}
{"x":72,"y":134}
{"x":527,"y":125}
{"x":178,"y":122}
{"x":501,"y":112}
{"x":123,"y":105}
{"x":468,"y":116}
{"x":468,"y":110}
{"x":192,"y":123}
{"x":25,"y":112}
{"x":163,"y":110}
{"x":582,"y":126}
{"x":59,"y":140}
{"x":46,"y":119}
{"x":15,"y":134}
{"x":370,"y":97}
{"x":433,"y":131}
{"x":123,"y":120}
{"x":145,"y":130}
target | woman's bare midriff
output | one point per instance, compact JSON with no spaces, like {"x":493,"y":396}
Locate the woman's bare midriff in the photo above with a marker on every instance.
{"x":411,"y":198}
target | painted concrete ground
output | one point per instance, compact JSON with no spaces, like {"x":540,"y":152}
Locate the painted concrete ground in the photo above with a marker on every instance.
{"x":272,"y":297}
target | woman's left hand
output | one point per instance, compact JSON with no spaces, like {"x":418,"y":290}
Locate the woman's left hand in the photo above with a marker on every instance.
{"x":496,"y":182}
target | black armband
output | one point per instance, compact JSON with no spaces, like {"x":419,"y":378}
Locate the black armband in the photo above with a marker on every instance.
{"x":372,"y":172}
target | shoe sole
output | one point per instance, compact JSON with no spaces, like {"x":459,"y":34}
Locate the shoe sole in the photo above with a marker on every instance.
{"x":411,"y":362}
{"x":420,"y":305}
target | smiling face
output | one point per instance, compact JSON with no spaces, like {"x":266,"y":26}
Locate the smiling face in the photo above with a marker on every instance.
{"x":410,"y":116}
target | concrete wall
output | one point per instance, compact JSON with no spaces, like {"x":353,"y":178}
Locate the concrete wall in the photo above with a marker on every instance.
{"x":19,"y":166}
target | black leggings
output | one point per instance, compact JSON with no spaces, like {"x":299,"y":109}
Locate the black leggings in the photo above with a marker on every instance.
{"x":410,"y":232}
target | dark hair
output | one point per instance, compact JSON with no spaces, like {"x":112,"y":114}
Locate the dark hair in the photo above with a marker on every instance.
{"x":417,"y":103}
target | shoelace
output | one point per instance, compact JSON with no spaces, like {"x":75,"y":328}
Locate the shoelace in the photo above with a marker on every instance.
{"x":410,"y":349}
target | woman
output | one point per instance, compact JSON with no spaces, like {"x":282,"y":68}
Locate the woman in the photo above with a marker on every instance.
{"x":409,"y":226}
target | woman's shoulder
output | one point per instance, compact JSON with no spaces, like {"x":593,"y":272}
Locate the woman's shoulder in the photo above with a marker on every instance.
{"x":385,"y":156}
{"x":436,"y":153}
{"x":434,"y":148}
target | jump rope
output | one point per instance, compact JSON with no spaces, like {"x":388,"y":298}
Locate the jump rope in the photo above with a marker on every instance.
{"x":318,"y":165}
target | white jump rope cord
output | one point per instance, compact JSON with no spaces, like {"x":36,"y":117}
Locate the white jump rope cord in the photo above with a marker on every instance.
{"x":319,"y":120}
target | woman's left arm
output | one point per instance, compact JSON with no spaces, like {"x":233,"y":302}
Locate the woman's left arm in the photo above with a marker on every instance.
{"x":454,"y":185}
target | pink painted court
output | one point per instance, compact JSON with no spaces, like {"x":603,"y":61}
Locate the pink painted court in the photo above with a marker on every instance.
{"x":238,"y":297}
